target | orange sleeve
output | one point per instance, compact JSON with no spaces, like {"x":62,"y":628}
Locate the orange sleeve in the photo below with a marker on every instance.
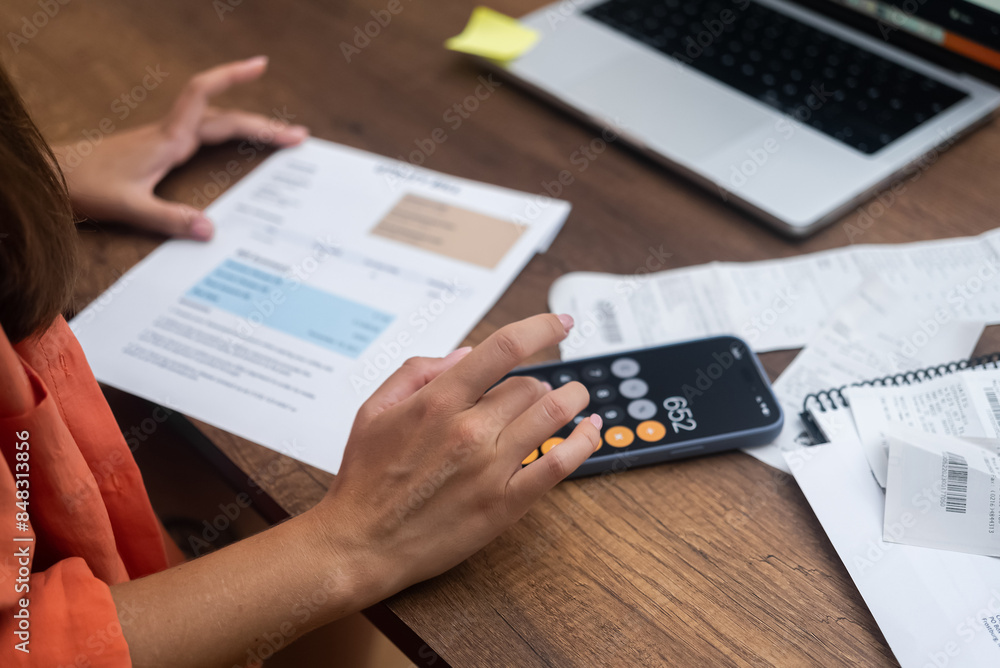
{"x":63,"y":615}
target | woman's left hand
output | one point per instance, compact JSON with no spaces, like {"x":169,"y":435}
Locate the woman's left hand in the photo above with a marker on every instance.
{"x":115,"y":181}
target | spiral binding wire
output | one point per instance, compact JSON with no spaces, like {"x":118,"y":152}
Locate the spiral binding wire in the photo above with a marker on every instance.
{"x":834,"y":398}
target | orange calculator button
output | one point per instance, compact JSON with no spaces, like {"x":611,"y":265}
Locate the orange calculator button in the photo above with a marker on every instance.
{"x":619,"y":437}
{"x":551,"y":443}
{"x":530,"y":458}
{"x":651,"y":431}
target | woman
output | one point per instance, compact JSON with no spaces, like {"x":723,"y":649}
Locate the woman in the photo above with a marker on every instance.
{"x":85,"y":579}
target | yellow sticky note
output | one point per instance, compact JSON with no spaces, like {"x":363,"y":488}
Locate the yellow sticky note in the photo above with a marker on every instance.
{"x":493,"y":35}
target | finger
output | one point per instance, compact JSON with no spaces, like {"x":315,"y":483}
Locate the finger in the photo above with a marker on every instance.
{"x":170,"y":218}
{"x":512,"y":397}
{"x":502,"y":351}
{"x":219,"y":125}
{"x":543,"y":418}
{"x":415,"y":373}
{"x":186,"y":115}
{"x":529,"y":483}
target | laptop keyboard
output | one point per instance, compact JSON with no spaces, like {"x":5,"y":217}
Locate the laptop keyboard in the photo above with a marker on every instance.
{"x":836,"y":87}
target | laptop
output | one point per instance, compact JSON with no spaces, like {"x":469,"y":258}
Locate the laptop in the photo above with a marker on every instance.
{"x":797,"y":111}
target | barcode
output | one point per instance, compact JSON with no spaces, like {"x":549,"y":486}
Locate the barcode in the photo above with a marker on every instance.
{"x":609,"y":323}
{"x":991,"y":397}
{"x":956,"y":484}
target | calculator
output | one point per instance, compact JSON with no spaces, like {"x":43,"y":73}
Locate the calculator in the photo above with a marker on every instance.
{"x":667,"y":402}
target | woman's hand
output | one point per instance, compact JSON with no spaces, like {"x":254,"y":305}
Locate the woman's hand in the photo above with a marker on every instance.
{"x":116,"y":180}
{"x":432,"y":470}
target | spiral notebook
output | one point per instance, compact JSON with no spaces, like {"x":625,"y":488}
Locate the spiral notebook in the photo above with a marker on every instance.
{"x":834,"y":399}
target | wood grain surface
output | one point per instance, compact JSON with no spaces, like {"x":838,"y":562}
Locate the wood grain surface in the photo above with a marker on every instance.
{"x":716,"y":561}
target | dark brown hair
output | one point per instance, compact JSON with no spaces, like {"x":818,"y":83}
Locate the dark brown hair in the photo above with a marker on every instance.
{"x":37,"y":236}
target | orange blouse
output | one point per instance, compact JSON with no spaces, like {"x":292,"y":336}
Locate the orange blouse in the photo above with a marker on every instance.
{"x":74,"y":513}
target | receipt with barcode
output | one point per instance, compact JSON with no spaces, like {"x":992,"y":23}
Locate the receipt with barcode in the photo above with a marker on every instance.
{"x":941,"y":492}
{"x":962,"y":404}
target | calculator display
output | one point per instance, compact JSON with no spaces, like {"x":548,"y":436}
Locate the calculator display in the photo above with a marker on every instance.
{"x":675,"y":400}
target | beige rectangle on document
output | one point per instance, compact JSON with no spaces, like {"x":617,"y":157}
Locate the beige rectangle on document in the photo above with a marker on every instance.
{"x":449,"y":230}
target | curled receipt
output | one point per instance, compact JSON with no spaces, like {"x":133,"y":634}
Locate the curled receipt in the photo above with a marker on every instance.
{"x":942,"y":492}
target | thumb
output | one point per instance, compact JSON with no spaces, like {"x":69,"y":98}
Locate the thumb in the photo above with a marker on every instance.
{"x":171,"y":218}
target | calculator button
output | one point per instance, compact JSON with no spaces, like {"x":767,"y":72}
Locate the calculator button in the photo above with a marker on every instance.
{"x":530,"y":458}
{"x":580,"y":418}
{"x":603,"y":393}
{"x":633,"y":388}
{"x":560,"y":378}
{"x":595,"y":373}
{"x":625,"y":367}
{"x":612,"y":414}
{"x":642,"y":409}
{"x":551,"y":443}
{"x":619,"y":437}
{"x":651,"y":431}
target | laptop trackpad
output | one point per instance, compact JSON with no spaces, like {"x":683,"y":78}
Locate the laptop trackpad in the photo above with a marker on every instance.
{"x":673,"y":110}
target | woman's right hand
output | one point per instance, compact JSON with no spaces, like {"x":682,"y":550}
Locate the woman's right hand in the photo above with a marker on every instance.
{"x":431,"y":473}
{"x":432,"y":469}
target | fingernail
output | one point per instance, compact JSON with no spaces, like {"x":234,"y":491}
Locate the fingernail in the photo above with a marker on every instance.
{"x":459,"y":353}
{"x":547,"y":385}
{"x":257,"y":60}
{"x":201,"y":229}
{"x":566,"y":320}
{"x":596,"y":420}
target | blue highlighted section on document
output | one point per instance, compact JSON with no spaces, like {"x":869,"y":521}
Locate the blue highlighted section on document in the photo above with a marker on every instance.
{"x":266,"y":299}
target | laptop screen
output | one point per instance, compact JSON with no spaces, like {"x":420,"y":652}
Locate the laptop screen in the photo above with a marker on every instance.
{"x":968,"y":28}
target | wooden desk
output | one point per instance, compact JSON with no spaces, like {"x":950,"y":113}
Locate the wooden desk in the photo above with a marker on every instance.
{"x":716,"y":561}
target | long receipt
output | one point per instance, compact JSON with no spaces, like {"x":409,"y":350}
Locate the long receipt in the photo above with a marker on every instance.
{"x":330,"y":266}
{"x":772,"y":304}
{"x":870,"y":335}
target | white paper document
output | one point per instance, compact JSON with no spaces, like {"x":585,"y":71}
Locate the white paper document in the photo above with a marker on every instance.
{"x":874,"y":333}
{"x":942,"y":492}
{"x":960,"y":404}
{"x":330,"y":267}
{"x":935,"y":608}
{"x":773,"y":304}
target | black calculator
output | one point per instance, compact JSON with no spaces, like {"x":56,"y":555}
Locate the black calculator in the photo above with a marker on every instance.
{"x":668,"y":402}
